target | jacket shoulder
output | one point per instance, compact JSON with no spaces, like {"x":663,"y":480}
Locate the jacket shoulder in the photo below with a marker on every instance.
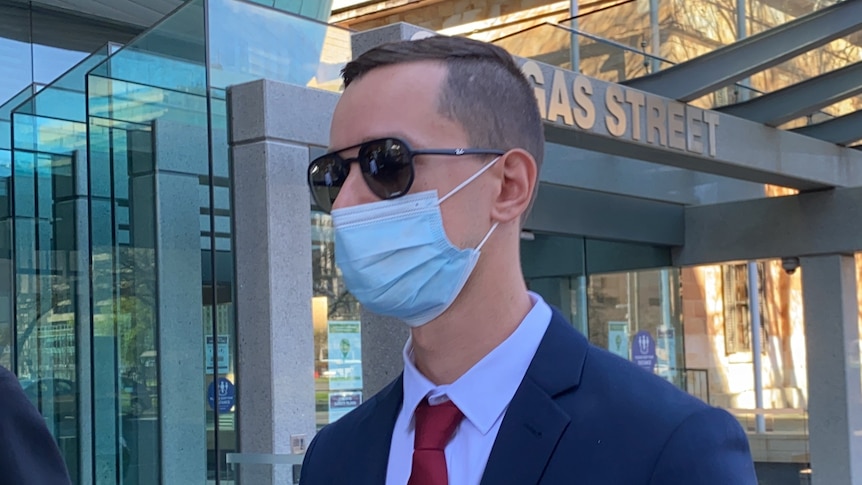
{"x":619,"y":409}
{"x":30,"y":455}
{"x":632,"y":397}
{"x":366,"y":425}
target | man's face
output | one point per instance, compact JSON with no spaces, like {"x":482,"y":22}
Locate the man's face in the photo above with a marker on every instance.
{"x":401,"y":101}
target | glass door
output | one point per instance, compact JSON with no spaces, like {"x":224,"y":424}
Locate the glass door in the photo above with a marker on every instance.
{"x":624,"y":297}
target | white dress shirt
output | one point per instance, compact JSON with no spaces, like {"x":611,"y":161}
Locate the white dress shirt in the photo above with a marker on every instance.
{"x":483,"y":394}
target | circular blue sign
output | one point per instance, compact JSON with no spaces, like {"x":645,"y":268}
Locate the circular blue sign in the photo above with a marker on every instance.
{"x":226,"y":395}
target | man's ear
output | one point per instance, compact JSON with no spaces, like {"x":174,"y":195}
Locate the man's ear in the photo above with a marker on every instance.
{"x":519,"y":178}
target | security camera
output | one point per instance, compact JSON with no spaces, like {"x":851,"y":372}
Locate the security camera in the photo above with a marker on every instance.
{"x":790,"y":264}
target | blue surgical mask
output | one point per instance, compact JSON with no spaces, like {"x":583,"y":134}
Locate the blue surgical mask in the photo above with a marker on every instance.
{"x":396,"y":259}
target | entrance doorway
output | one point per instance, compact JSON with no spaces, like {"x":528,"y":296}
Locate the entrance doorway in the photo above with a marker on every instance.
{"x":623,"y":296}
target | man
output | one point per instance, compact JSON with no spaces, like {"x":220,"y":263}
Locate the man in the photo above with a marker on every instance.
{"x":28,"y":453}
{"x":497,"y":388}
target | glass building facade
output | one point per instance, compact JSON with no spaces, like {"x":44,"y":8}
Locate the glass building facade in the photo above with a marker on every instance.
{"x":117,"y":311}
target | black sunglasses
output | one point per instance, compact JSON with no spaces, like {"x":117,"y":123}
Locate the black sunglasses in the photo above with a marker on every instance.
{"x":386,"y":164}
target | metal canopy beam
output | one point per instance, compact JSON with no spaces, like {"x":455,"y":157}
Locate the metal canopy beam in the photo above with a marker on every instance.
{"x":702,"y":75}
{"x":815,"y":223}
{"x":801,"y":99}
{"x":605,"y":216}
{"x":843,"y":130}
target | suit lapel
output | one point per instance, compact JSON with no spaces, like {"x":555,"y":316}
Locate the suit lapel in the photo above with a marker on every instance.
{"x":534,"y":423}
{"x":373,"y":435}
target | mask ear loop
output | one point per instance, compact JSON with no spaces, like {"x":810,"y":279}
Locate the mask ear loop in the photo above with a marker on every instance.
{"x":464,"y":184}
{"x":470,"y":179}
{"x":491,"y":231}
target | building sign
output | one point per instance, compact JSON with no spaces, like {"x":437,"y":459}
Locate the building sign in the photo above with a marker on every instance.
{"x":341,"y":403}
{"x":666,"y":353}
{"x":344,"y":355}
{"x":618,"y":339}
{"x":573,"y":100}
{"x":223,"y":353}
{"x":643,"y":351}
{"x":226,"y":395}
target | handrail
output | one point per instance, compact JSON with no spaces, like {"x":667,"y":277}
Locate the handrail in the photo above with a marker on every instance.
{"x":627,"y":48}
{"x":635,"y":51}
{"x":773,"y":411}
{"x":264,"y":458}
{"x":614,"y":43}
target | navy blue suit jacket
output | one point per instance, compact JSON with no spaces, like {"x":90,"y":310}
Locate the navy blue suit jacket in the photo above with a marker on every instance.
{"x":28,"y":453}
{"x":580,"y":416}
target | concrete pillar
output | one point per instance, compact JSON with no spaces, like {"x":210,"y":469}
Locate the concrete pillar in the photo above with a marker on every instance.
{"x":834,"y":379}
{"x":271,"y":128}
{"x":368,"y":39}
{"x":176,"y":151}
{"x":80,"y":258}
{"x":383,"y":340}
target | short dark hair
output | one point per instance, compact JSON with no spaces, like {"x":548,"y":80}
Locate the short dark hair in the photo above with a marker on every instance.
{"x":484,"y":91}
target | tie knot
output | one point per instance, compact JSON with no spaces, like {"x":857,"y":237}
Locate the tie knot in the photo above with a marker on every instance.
{"x":435,"y":424}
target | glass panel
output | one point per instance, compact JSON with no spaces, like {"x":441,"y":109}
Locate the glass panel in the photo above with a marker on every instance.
{"x":667,"y":32}
{"x":219,"y":316}
{"x":616,"y":310}
{"x":637,"y":315}
{"x":7,"y":298}
{"x":60,"y":41}
{"x":39,"y":45}
{"x":337,"y":332}
{"x":241,"y":36}
{"x":313,"y":9}
{"x":597,"y":57}
{"x":555,"y":268}
{"x":6,"y":269}
{"x":6,"y":115}
{"x":16,"y":67}
{"x":52,"y":297}
{"x":152,"y":95}
{"x":147,"y":114}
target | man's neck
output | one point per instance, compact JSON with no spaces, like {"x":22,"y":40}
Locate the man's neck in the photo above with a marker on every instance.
{"x":478,"y":321}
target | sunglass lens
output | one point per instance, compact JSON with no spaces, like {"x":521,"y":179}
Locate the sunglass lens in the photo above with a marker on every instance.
{"x":326,"y":175}
{"x":386,"y":167}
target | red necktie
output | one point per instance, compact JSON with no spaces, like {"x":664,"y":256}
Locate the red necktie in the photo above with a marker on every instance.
{"x":434,"y":428}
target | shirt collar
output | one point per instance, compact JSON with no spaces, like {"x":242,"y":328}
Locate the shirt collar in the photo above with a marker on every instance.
{"x":483,"y":393}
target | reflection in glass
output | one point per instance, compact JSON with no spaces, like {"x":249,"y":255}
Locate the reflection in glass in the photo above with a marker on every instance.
{"x":241,"y":37}
{"x":337,"y":330}
{"x":630,"y":308}
{"x":117,"y":165}
{"x":51,"y":250}
{"x":595,"y":285}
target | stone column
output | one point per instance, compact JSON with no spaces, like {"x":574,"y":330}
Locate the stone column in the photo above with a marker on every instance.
{"x":834,"y":375}
{"x":271,"y":128}
{"x":383,"y":340}
{"x":176,"y":152}
{"x":79,"y":258}
{"x":368,"y":39}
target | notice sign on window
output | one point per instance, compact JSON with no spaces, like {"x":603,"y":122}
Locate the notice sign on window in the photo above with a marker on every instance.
{"x":223,"y":354}
{"x":345,"y":356}
{"x":341,"y":403}
{"x":618,"y":338}
{"x":666,"y":353}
